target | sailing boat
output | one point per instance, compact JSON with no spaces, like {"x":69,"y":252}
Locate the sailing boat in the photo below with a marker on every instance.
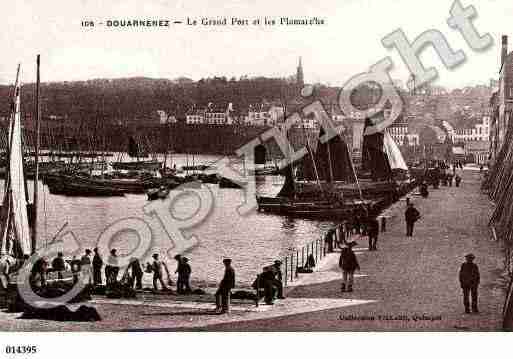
{"x":15,"y":235}
{"x":135,"y":151}
{"x":312,"y":185}
{"x":325,"y":183}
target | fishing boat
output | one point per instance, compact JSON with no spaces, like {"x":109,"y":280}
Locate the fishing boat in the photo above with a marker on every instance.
{"x":135,"y":151}
{"x":84,"y":190}
{"x":312,"y":184}
{"x":16,"y":239}
{"x":18,"y":220}
{"x":325,"y":182}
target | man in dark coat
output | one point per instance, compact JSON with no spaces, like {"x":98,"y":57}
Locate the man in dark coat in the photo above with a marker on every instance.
{"x":185,"y":275}
{"x":266,"y":280}
{"x":97,"y":267}
{"x":469,"y":281}
{"x":411,"y":215}
{"x":225,"y":287}
{"x":348,"y":263}
{"x":278,"y":278}
{"x":373,"y":232}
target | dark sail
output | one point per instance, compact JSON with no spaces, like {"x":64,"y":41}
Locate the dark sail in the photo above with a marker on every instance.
{"x":374,"y":158}
{"x":288,"y":187}
{"x":260,"y":154}
{"x":331,"y":159}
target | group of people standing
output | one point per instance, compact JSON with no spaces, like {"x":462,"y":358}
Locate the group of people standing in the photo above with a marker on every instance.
{"x":94,"y":267}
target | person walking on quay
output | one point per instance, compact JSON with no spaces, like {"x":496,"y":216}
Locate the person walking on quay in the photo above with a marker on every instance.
{"x":156,"y":267}
{"x":411,"y":215}
{"x":457,"y":180}
{"x":449,"y":179}
{"x":348,"y":263}
{"x":58,"y":265}
{"x":225,"y":287}
{"x":469,"y":281}
{"x":424,"y":192}
{"x":373,"y":232}
{"x":97,"y":267}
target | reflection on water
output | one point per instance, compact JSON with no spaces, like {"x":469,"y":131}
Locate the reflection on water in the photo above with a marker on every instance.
{"x":252,"y":241}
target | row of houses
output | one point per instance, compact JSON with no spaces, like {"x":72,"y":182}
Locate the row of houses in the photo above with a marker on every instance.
{"x":267,"y":114}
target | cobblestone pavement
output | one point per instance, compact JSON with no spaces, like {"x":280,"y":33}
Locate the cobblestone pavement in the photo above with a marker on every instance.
{"x":408,"y":284}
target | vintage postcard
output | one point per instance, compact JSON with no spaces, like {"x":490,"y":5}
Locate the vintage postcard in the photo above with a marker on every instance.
{"x":255,"y":166}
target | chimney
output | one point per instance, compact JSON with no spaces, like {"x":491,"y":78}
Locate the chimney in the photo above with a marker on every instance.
{"x":504,"y":51}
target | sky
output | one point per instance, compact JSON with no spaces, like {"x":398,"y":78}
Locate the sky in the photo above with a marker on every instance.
{"x":347,"y":44}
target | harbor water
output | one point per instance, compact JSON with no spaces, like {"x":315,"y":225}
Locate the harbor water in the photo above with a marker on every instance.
{"x":252,"y":241}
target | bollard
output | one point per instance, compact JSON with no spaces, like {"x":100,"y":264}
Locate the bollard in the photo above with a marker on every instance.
{"x":297,"y":262}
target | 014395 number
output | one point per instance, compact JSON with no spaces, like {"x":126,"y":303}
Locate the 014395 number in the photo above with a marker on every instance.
{"x":20,"y":349}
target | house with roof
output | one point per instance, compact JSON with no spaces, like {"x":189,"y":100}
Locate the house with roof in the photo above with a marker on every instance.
{"x":501,"y":102}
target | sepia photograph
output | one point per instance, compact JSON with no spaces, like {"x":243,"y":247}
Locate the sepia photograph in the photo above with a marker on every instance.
{"x":255,"y":166}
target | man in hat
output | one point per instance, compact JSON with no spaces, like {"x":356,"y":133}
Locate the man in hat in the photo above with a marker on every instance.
{"x":348,"y":263}
{"x":411,"y":215}
{"x":225,"y":287}
{"x":469,"y":281}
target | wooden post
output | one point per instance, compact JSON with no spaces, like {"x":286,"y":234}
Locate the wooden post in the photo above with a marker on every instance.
{"x":36,"y":177}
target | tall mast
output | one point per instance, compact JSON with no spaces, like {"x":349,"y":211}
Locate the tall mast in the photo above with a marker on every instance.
{"x":36,"y":177}
{"x":331,"y":180}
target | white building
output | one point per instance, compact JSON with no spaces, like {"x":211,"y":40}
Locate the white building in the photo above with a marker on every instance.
{"x":164,"y":118}
{"x":195,"y":117}
{"x":264,"y":115}
{"x":480,"y":132}
{"x":211,"y":115}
